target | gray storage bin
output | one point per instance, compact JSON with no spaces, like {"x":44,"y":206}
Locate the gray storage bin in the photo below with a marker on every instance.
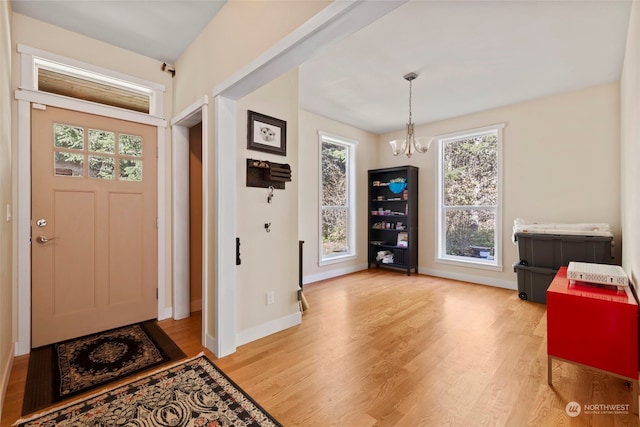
{"x":533,"y":282}
{"x":556,"y":250}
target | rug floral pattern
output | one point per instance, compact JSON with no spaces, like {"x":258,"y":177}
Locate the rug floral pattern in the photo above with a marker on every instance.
{"x":193,"y":393}
{"x":99,"y":358}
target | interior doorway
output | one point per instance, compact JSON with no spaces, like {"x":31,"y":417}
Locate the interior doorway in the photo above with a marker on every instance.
{"x":191,"y":271}
{"x":195,"y":218}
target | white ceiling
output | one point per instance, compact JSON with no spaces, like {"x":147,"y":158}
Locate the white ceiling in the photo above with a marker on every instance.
{"x":470,"y":55}
{"x":160,"y":29}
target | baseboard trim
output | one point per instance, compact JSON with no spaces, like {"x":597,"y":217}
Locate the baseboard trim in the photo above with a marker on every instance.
{"x":210,"y":343}
{"x":332,"y":273}
{"x":251,"y":334}
{"x":472,"y":278}
{"x":196,"y":306}
{"x":166,"y":313}
{"x":6,"y":373}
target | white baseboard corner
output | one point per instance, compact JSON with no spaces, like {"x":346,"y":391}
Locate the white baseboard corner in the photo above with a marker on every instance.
{"x":471,"y":278}
{"x":330,"y":274}
{"x":251,"y":334}
{"x":166,"y":313}
{"x":210,"y":343}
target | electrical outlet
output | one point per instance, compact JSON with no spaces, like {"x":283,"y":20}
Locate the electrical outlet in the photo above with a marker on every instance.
{"x":271,"y":297}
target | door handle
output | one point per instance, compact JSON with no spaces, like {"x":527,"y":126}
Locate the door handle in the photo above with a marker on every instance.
{"x":44,"y":239}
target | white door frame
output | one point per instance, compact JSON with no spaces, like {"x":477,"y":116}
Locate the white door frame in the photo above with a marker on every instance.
{"x":25,"y":99}
{"x":198,"y":112}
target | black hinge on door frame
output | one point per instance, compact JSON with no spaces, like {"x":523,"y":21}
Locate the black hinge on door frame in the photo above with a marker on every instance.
{"x":156,"y":293}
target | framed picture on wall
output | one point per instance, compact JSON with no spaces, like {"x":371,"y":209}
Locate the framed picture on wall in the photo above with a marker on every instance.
{"x":266,"y":133}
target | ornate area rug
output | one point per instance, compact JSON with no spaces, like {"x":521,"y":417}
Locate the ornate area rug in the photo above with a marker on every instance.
{"x":190,"y":393}
{"x":62,"y":370}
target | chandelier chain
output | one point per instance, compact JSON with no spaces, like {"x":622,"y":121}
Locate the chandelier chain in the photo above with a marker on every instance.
{"x":410,"y":86}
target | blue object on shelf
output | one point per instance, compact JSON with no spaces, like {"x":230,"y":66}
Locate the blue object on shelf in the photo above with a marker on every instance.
{"x":397,"y":187}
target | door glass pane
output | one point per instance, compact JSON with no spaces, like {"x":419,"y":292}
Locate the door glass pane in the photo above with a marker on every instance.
{"x":102,"y":141}
{"x":68,"y":164}
{"x":66,"y":136}
{"x":334,"y":231}
{"x":101,"y":167}
{"x":130,"y":170}
{"x":131,"y":145}
{"x":470,"y":233}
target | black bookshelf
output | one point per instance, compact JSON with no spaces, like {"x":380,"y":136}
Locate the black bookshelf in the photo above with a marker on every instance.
{"x":393,"y":218}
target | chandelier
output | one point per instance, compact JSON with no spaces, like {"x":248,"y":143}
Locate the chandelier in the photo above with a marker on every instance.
{"x":410,"y":143}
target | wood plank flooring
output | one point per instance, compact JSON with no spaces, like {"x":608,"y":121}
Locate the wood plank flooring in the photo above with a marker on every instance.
{"x":379,"y":348}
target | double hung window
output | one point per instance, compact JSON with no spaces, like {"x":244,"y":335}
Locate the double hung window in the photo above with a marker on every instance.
{"x":469,"y":197}
{"x":337,"y":198}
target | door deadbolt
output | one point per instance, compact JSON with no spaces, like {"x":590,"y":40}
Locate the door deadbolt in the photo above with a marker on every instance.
{"x":41,"y":222}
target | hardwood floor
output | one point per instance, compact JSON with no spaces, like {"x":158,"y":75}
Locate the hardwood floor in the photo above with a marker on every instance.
{"x":379,"y":348}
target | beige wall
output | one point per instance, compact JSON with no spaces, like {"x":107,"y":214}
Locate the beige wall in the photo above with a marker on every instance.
{"x":630,"y":147}
{"x":561,"y":159}
{"x":269,"y":260}
{"x":366,"y":158}
{"x":229,"y":43}
{"x":7,"y":288}
{"x":234,"y":38}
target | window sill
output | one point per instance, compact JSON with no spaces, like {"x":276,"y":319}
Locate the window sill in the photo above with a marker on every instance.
{"x":337,"y":259}
{"x":469,"y":263}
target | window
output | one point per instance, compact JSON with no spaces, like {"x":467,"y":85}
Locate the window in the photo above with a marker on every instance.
{"x":70,"y":154}
{"x":469,"y":197}
{"x":337,"y":199}
{"x":48,"y":73}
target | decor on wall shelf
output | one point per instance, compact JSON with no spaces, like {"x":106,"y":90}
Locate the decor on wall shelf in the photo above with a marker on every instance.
{"x":266,"y":133}
{"x":410,"y":143}
{"x":265,"y":174}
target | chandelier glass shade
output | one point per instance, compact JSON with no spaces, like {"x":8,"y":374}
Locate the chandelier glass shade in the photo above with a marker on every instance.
{"x":410,"y":143}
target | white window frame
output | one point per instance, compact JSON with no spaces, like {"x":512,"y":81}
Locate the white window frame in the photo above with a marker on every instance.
{"x":33,"y":59}
{"x":441,"y":255}
{"x":350,"y":145}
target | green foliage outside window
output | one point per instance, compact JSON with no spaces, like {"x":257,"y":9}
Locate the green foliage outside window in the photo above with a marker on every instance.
{"x":100,"y":142}
{"x":334,"y":198}
{"x":470,"y":195}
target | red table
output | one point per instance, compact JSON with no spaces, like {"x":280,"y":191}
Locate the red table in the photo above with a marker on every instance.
{"x":594,"y":326}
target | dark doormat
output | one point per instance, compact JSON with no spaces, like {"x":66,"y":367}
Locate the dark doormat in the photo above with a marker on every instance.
{"x":65,"y":369}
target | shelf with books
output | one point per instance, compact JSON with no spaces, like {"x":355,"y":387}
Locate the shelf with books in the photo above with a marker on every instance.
{"x":393,"y":218}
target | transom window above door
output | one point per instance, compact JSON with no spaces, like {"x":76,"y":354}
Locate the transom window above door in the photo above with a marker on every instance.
{"x":96,"y":153}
